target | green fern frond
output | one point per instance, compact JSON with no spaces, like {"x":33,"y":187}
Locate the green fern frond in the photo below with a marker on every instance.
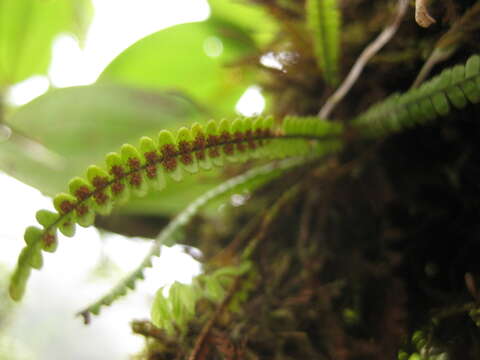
{"x":134,"y":171}
{"x":454,"y":87}
{"x":323,"y":20}
{"x":178,"y":308}
{"x":250,"y":180}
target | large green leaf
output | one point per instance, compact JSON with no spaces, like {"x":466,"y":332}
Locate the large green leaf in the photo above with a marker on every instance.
{"x":252,"y":18}
{"x":27,"y":29}
{"x":192,"y":58}
{"x":77,"y":126}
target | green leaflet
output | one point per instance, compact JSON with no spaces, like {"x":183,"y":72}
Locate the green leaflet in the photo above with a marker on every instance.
{"x":454,"y":87}
{"x":250,"y":180}
{"x":323,"y":20}
{"x":179,"y":306}
{"x":136,"y":170}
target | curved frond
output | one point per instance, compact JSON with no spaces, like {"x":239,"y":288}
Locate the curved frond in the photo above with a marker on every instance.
{"x":250,"y":180}
{"x":137,"y":170}
{"x":454,"y":88}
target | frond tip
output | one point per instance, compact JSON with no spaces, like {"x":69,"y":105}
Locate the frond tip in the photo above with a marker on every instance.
{"x":136,"y":170}
{"x":454,"y":87}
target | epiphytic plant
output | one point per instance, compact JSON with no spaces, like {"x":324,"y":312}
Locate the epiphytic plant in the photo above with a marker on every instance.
{"x":135,"y":171}
{"x":335,"y":268}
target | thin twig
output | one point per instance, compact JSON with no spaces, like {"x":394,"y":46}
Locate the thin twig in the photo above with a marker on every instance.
{"x":305,"y":220}
{"x":363,"y":59}
{"x":437,"y":56}
{"x":422,"y":16}
{"x":454,"y":310}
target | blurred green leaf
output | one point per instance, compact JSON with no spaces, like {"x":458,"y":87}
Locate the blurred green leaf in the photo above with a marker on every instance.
{"x":193,"y":58}
{"x":161,"y":312}
{"x":253,"y":19}
{"x":59,"y":134}
{"x":178,"y":307}
{"x":213,"y":289}
{"x":27,"y":29}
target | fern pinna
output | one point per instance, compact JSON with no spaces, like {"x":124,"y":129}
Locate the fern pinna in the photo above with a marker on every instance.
{"x":134,"y":171}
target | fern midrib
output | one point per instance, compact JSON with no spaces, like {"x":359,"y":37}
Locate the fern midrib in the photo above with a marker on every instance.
{"x":175,"y":155}
{"x":429,"y":96}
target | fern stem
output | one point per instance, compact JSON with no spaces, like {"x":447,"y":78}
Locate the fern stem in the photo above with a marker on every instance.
{"x":362,"y":60}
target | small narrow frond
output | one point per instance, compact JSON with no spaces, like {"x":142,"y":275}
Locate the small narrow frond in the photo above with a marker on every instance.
{"x":323,"y":21}
{"x":250,"y":180}
{"x":454,"y":88}
{"x":137,"y":170}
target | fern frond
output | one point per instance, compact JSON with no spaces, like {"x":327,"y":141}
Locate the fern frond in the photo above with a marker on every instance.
{"x":134,"y":171}
{"x":250,"y":180}
{"x":454,"y":87}
{"x":323,"y":20}
{"x":173,"y":312}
